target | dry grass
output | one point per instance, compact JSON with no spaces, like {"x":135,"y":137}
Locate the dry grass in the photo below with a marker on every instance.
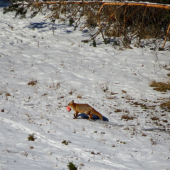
{"x":71,"y":92}
{"x":155,"y":1}
{"x":7,"y":94}
{"x":165,"y":121}
{"x":79,"y":96}
{"x":143,"y":134}
{"x":155,"y":118}
{"x":110,"y":97}
{"x":141,"y":23}
{"x":127,"y":117}
{"x":160,"y":86}
{"x":32,"y":83}
{"x":123,"y":91}
{"x":153,"y":142}
{"x":118,"y":110}
{"x":142,"y":105}
{"x":31,"y":137}
{"x":166,"y":105}
{"x":65,"y":142}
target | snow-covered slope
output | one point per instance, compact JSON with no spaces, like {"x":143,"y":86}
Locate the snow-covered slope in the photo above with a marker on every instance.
{"x":63,"y":68}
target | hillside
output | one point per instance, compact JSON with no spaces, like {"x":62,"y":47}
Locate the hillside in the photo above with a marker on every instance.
{"x":44,"y":66}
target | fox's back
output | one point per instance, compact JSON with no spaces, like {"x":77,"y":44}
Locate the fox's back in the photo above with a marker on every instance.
{"x":83,"y":107}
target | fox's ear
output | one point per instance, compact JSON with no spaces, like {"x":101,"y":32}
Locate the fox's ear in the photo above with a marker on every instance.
{"x":72,"y":102}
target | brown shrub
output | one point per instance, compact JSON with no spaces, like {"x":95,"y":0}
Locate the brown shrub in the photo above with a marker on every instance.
{"x":127,"y":117}
{"x":166,"y":105}
{"x":32,"y":83}
{"x":160,"y":86}
{"x":155,"y":118}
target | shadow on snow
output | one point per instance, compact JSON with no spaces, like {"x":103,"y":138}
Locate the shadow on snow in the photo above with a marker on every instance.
{"x":4,"y":3}
{"x":40,"y":25}
{"x":50,"y":26}
{"x":84,"y":116}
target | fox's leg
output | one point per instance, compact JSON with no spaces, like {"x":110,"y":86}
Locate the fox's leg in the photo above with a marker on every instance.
{"x":76,"y":115}
{"x":90,"y":115}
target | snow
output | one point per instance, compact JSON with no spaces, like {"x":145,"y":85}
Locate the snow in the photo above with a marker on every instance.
{"x":65,"y":69}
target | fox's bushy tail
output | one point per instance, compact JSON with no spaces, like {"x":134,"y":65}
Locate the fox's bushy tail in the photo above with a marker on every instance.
{"x":97,"y":114}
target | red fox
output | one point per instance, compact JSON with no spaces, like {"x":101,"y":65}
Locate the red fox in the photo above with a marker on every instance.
{"x":84,"y":108}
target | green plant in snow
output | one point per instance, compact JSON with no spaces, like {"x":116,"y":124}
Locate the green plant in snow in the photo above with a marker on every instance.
{"x":71,"y":166}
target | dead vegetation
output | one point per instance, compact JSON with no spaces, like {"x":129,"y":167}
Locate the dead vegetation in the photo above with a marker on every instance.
{"x":32,"y":82}
{"x":160,"y":86}
{"x":110,"y":97}
{"x":118,"y":110}
{"x":142,"y":105}
{"x":66,"y":142}
{"x":155,"y":118}
{"x":127,"y":117}
{"x":7,"y":94}
{"x":166,"y":105}
{"x":153,"y":1}
{"x":79,"y":96}
{"x":124,"y":22}
{"x":31,"y":137}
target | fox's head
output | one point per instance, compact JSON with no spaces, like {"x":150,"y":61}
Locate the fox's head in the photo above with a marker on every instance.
{"x":71,"y":103}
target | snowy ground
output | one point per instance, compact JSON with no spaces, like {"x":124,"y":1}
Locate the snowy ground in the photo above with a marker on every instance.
{"x":114,"y":82}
